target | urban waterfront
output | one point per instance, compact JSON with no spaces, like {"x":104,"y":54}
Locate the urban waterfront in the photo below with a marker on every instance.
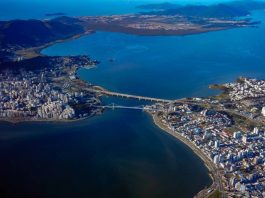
{"x":119,"y":154}
{"x":122,"y":153}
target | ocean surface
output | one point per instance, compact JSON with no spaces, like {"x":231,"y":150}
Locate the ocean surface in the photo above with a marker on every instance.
{"x":37,"y":9}
{"x":122,"y":153}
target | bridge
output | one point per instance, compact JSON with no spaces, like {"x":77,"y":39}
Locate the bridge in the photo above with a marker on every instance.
{"x":114,"y":106}
{"x":129,"y":96}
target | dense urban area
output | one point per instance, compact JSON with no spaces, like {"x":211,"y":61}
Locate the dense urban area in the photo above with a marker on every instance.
{"x":229,"y":132}
{"x":50,"y":93}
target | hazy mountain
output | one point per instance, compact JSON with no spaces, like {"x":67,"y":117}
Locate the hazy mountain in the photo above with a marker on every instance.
{"x":30,"y":33}
{"x":225,"y":10}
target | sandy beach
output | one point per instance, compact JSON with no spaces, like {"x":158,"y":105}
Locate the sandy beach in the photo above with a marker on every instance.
{"x":213,"y":172}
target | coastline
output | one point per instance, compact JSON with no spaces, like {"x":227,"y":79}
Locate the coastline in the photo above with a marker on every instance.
{"x":33,"y":52}
{"x":18,"y":121}
{"x":213,"y":172}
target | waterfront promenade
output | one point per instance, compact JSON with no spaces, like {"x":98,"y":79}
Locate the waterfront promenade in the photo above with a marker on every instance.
{"x":213,"y":170}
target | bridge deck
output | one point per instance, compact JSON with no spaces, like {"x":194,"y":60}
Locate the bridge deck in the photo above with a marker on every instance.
{"x":122,"y":107}
{"x":109,"y":93}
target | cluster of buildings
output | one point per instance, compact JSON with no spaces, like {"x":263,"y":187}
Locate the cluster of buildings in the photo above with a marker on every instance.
{"x":29,"y":95}
{"x":167,"y":23}
{"x":238,"y":155}
{"x":246,"y":88}
{"x":144,"y":21}
{"x":46,"y":94}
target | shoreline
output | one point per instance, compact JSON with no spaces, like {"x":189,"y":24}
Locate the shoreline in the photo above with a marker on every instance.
{"x":213,"y":172}
{"x":47,"y":121}
{"x":33,"y":52}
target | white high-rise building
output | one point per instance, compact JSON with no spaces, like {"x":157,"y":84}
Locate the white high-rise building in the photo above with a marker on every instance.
{"x":263,"y":111}
{"x":245,"y":139}
{"x":216,"y":144}
{"x":256,"y":130}
{"x":237,"y":135}
{"x":216,"y":159}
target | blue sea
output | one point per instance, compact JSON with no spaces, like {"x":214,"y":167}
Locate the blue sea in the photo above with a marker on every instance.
{"x":171,"y":66}
{"x":32,"y":9}
{"x":122,"y":153}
